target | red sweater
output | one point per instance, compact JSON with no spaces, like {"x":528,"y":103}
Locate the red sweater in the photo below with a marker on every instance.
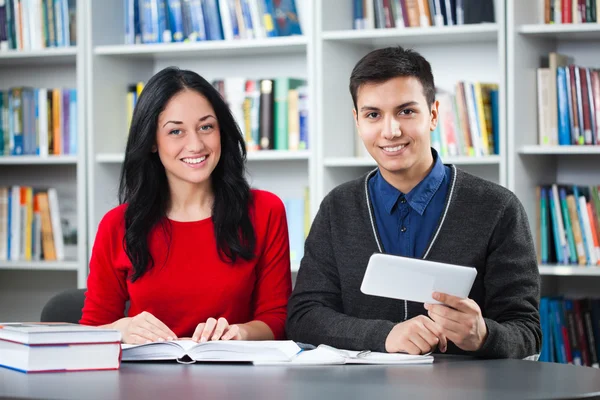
{"x":191,"y":284}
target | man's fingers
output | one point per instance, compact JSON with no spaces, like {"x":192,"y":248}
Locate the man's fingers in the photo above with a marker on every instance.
{"x":411,"y":348}
{"x":437,"y":331}
{"x":455,"y":302}
{"x":446,"y":324}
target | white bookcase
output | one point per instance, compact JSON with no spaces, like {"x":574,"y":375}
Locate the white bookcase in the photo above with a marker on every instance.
{"x":112,"y":66}
{"x":467,"y":52}
{"x":529,"y":165}
{"x":25,"y":286}
{"x":101,"y":67}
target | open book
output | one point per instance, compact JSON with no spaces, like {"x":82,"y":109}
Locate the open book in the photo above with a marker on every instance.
{"x":327,"y":355}
{"x":188,"y":351}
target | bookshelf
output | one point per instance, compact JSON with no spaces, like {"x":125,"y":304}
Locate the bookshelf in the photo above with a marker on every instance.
{"x":529,"y":164}
{"x":468,"y":52}
{"x":25,"y":286}
{"x":112,"y":66}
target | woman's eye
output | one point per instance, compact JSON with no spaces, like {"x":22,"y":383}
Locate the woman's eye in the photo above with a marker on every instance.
{"x":175,"y":132}
{"x":206,"y":128}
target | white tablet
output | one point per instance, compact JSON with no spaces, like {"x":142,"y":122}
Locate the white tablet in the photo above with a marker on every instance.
{"x":415,"y":279}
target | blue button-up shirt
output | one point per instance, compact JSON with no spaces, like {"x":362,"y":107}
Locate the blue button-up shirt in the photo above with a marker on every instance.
{"x":406,"y":222}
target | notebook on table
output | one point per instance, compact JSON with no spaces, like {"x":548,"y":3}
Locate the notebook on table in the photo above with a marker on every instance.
{"x":188,"y":351}
{"x":50,"y":347}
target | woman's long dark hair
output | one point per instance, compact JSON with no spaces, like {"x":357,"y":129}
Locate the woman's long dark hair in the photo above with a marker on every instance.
{"x":144,"y":185}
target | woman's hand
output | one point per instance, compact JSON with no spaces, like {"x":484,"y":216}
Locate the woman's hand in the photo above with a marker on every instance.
{"x":218,"y":330}
{"x":143,"y":328}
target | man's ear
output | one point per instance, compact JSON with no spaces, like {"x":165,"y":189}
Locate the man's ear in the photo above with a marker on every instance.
{"x":434,"y":115}
{"x":355,"y":116}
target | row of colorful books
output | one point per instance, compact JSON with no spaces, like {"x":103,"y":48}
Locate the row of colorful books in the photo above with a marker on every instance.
{"x":569,"y":224}
{"x":568,"y":103}
{"x":37,"y":24}
{"x":468,"y":122}
{"x":570,"y":331}
{"x":379,"y":14}
{"x":165,"y":21}
{"x":272,"y":113}
{"x":38,"y":121}
{"x":570,"y":11}
{"x":30,"y":225}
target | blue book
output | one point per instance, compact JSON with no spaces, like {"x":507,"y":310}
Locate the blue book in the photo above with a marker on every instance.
{"x":175,"y":20}
{"x":197,"y":19}
{"x":303,"y":112}
{"x":564,"y":121}
{"x":544,"y":353}
{"x":544,"y":223}
{"x":494,"y":98}
{"x":130,"y":13}
{"x":9,"y":224}
{"x":73,"y":121}
{"x":269,"y":18}
{"x":164,"y":33}
{"x":358,"y":14}
{"x":559,"y":343}
{"x":247,"y":16}
{"x":295,"y":215}
{"x":568,"y":226}
{"x":212,"y":20}
{"x":555,"y":231}
{"x":286,"y":18}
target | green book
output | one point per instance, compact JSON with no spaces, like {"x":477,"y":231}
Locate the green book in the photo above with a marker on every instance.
{"x":282,"y":87}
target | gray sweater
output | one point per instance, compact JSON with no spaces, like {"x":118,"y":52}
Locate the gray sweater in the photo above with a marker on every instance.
{"x":483,"y":225}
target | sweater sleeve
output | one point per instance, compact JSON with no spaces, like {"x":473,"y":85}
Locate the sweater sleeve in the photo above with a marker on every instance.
{"x":315,"y":311}
{"x":274,"y":282}
{"x":512,"y":287}
{"x":106,"y":293}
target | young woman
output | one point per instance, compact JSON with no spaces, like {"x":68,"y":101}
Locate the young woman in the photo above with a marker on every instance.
{"x":194,"y":250}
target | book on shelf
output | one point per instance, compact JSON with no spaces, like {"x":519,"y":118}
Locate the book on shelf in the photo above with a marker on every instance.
{"x":571,"y":330}
{"x":188,"y":351}
{"x":168,"y":21}
{"x":568,"y":225}
{"x":568,"y":102}
{"x":381,"y":14}
{"x":38,"y":122}
{"x":271,"y":113}
{"x":31,"y":228}
{"x":570,"y":11}
{"x":37,"y":24}
{"x":298,"y":217}
{"x":58,"y":347}
{"x":468,"y":120}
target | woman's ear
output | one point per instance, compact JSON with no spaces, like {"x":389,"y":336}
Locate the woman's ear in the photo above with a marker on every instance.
{"x":154,"y":149}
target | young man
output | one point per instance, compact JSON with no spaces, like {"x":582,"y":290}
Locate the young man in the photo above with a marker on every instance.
{"x":413,"y":205}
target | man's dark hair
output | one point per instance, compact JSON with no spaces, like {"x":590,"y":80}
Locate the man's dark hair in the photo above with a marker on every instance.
{"x":391,"y":62}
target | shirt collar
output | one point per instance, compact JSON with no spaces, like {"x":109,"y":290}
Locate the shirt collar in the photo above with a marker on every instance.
{"x":420,"y":196}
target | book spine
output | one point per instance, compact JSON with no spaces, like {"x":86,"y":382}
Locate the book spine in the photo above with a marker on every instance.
{"x":266,"y":115}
